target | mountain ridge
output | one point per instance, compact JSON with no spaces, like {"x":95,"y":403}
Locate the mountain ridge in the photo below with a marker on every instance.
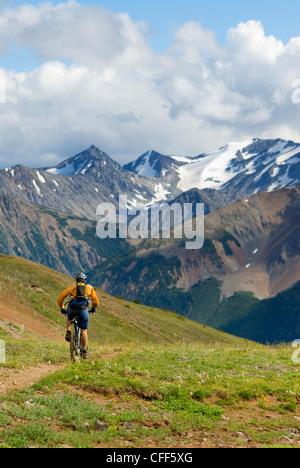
{"x":95,"y":178}
{"x":80,"y":183}
{"x":246,"y":167}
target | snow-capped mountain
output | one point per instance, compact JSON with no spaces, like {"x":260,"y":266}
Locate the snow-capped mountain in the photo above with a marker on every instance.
{"x":153,"y":164}
{"x":80,"y":183}
{"x":95,"y":165}
{"x":89,"y":162}
{"x":157,"y":165}
{"x":246,"y":168}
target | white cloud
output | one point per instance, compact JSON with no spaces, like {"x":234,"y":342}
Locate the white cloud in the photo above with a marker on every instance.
{"x":100,"y":83}
{"x":195,"y":43}
{"x":88,"y":35}
{"x":248,"y":42}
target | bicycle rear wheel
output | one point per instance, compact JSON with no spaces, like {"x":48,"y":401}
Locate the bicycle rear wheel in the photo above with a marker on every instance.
{"x":75,"y":346}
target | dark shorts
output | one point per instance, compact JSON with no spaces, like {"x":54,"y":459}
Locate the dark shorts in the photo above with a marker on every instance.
{"x":82,"y":317}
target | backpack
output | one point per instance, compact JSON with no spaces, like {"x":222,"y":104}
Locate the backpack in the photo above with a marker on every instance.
{"x":80,"y":292}
{"x":80,"y":302}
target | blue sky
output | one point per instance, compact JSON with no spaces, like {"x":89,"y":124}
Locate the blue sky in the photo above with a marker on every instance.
{"x":199,"y":75}
{"x":279,"y":18}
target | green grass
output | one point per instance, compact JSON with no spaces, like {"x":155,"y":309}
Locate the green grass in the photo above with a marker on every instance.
{"x":170,"y":395}
{"x":30,"y":351}
{"x":157,"y":379}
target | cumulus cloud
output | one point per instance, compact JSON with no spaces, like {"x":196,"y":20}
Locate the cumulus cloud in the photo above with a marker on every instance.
{"x":100,"y":83}
{"x":87,"y":35}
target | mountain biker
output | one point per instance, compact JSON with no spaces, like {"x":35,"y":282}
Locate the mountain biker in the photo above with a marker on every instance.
{"x":79,"y":294}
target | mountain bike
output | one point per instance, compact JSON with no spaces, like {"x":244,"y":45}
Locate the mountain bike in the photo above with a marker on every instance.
{"x":76,"y":350}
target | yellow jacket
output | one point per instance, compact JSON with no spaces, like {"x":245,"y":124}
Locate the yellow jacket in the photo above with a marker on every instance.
{"x":71,"y":291}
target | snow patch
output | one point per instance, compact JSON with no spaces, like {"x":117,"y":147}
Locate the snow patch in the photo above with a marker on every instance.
{"x":52,"y":170}
{"x":182,"y":159}
{"x":65,"y":170}
{"x":37,"y":188}
{"x":259,"y":176}
{"x":288,"y":155}
{"x":278,"y":147}
{"x":83,"y":171}
{"x":160,"y":194}
{"x":41,"y":178}
{"x":282,"y":181}
{"x":275,"y":171}
{"x":145,"y":169}
{"x":211,"y":171}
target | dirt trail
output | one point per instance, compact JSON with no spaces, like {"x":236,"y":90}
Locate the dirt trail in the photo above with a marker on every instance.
{"x":19,"y":378}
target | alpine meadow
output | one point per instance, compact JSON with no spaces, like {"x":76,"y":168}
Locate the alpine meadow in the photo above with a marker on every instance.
{"x":149,"y":227}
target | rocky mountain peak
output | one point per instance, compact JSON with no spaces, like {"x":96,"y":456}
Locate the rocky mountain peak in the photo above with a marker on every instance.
{"x":90,"y":160}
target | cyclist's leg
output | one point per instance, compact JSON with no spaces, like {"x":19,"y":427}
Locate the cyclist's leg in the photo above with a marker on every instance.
{"x":84,"y":339}
{"x":83,"y":323}
{"x":68,"y":325}
{"x":70,"y":317}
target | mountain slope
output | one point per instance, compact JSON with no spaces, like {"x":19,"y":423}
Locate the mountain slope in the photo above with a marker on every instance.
{"x":267,"y":228}
{"x":29,"y":294}
{"x":273,"y":320}
{"x":245,"y":242}
{"x":213,"y":199}
{"x":251,"y":245}
{"x":65,"y":242}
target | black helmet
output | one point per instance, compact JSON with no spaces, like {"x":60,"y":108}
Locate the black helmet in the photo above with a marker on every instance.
{"x":80,"y":277}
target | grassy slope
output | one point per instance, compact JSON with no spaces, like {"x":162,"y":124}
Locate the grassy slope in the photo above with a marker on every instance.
{"x":32,"y":288}
{"x":157,"y":380}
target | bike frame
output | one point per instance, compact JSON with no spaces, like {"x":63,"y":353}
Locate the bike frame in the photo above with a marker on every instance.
{"x":75,"y":344}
